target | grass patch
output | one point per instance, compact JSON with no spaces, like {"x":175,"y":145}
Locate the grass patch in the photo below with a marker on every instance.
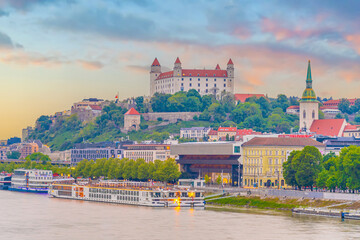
{"x":254,"y":202}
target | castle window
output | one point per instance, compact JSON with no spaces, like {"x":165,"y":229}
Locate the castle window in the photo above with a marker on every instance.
{"x":214,"y":75}
{"x":304,"y":114}
{"x":224,"y":84}
{"x":206,"y":75}
{"x":190,"y":78}
{"x":214,"y":79}
{"x":206,"y":90}
{"x":206,"y":79}
{"x":215,"y":85}
{"x":207,"y":85}
{"x":182,"y":79}
{"x":190,"y":74}
{"x":182,"y":84}
{"x":313,"y":114}
{"x":198,"y":84}
{"x":190,"y":85}
{"x":198,"y":74}
{"x":224,"y":75}
{"x":224,"y":80}
{"x":198,"y":79}
{"x":198,"y":90}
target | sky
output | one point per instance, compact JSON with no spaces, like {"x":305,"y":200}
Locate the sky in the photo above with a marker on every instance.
{"x":57,"y":52}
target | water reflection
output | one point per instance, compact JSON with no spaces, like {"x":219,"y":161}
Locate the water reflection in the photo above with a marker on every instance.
{"x":31,"y":216}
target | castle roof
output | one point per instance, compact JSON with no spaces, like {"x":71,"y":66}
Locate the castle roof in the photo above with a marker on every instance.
{"x":195,"y":73}
{"x":132,"y":111}
{"x":217,"y":67}
{"x":155,"y":62}
{"x":328,"y":127}
{"x":177,"y":60}
{"x":230,"y":62}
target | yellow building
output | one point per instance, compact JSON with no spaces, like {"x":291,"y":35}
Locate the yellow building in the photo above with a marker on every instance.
{"x":263,"y":158}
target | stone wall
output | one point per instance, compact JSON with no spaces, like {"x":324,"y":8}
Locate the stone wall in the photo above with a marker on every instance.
{"x":172,"y":117}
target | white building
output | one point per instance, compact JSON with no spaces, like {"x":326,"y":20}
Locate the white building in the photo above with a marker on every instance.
{"x":197,"y":133}
{"x":148,"y":152}
{"x":205,"y":81}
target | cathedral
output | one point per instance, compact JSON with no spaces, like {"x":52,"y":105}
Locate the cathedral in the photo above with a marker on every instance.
{"x":309,"y":106}
{"x":205,"y":81}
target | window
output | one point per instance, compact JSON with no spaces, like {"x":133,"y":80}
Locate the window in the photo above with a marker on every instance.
{"x":182,"y":84}
{"x":206,"y":85}
{"x":182,"y":79}
{"x":198,"y":79}
{"x":237,"y":149}
{"x":190,"y":84}
{"x":206,"y":90}
{"x":304,"y":114}
{"x":224,"y":84}
{"x":313,"y":114}
{"x":215,"y":85}
{"x":199,"y":75}
{"x":206,"y":79}
{"x":198,"y":84}
{"x":190,"y":79}
{"x":214,"y":79}
{"x":224,"y":80}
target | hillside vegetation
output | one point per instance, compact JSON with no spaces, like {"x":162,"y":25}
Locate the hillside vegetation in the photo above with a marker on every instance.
{"x":261,"y":114}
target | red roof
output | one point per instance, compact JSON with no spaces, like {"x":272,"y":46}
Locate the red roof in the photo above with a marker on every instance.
{"x":337,"y":101}
{"x":227,"y":129}
{"x":294,"y":107}
{"x":217,"y":67}
{"x":195,"y":73}
{"x":132,"y":111}
{"x":230,"y":62}
{"x":212,"y":132}
{"x":177,"y":60}
{"x":328,"y":127}
{"x":244,"y":131}
{"x":350,"y":127}
{"x":155,"y":62}
{"x":242,"y":97}
{"x":95,"y":107}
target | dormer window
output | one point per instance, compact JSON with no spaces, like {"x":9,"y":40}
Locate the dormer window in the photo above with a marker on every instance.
{"x":214,"y":75}
{"x":198,"y":74}
{"x":190,"y":74}
{"x":206,"y":75}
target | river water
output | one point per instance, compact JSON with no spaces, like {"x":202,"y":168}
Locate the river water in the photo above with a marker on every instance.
{"x":36,"y":216}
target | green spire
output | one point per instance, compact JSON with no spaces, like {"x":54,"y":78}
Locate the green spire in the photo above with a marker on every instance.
{"x":308,"y":77}
{"x":309,"y":94}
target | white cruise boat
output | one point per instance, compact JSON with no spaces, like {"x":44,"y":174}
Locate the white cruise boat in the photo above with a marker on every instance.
{"x":134,"y":193}
{"x":31,"y":180}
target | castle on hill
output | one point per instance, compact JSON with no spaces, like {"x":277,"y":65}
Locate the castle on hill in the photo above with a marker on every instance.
{"x":205,"y":81}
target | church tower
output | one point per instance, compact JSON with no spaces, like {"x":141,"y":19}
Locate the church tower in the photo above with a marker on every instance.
{"x":154,"y":74}
{"x":177,"y":68}
{"x":309,"y":106}
{"x":230,"y":73}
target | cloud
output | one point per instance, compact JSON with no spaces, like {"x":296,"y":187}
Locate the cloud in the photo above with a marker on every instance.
{"x":105,"y":22}
{"x":25,"y":5}
{"x":139,"y":69}
{"x":3,"y":13}
{"x":354,"y":39}
{"x":91,"y":65}
{"x":7,"y":43}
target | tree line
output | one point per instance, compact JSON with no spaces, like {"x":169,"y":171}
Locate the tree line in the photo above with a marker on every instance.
{"x":139,"y":170}
{"x":308,"y":168}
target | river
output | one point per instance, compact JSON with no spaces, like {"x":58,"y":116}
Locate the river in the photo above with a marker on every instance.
{"x":36,"y":216}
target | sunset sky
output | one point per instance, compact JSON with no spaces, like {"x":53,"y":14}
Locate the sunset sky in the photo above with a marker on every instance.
{"x":54,"y":53}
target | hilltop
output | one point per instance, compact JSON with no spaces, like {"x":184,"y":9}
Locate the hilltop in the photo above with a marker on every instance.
{"x":261,"y":114}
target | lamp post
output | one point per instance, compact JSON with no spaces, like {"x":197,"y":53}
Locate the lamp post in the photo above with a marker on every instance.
{"x":239,"y":175}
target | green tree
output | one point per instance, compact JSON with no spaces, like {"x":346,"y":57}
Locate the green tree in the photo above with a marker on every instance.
{"x":207,"y":179}
{"x":322,"y":179}
{"x":344,"y":106}
{"x":169,"y":171}
{"x":219,"y":180}
{"x":288,"y":169}
{"x":13,"y":155}
{"x":39,"y":157}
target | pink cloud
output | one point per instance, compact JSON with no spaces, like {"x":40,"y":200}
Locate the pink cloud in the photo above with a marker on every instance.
{"x":91,"y":65}
{"x":355,"y":41}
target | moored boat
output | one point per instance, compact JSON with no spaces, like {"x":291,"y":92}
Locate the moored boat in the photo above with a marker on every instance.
{"x":133,"y":193}
{"x":31,"y":180}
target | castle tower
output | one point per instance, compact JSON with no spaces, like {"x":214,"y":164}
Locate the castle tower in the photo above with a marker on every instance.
{"x":309,"y":106}
{"x":132,"y":119}
{"x":177,"y":68}
{"x":154,"y":74}
{"x":230,"y":72}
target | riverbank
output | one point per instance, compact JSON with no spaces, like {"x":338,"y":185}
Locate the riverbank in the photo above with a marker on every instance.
{"x":278,"y":204}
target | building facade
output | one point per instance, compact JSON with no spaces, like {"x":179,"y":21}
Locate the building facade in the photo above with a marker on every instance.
{"x":263,"y":158}
{"x":77,"y":155}
{"x":212,"y":159}
{"x":198,"y":133}
{"x":3,"y":153}
{"x":203,"y":80}
{"x":309,"y":106}
{"x":27,"y":149}
{"x":148,"y":152}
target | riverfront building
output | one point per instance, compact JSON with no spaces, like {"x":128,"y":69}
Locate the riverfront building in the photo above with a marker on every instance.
{"x":198,"y":133}
{"x":205,"y":81}
{"x":148,"y":152}
{"x":263,"y":158}
{"x":213,"y":159}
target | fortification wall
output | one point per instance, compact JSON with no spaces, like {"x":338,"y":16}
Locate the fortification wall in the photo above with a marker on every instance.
{"x":172,"y":117}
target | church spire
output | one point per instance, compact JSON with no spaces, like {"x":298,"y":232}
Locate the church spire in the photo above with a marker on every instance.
{"x":308,"y":77}
{"x":309,"y":94}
